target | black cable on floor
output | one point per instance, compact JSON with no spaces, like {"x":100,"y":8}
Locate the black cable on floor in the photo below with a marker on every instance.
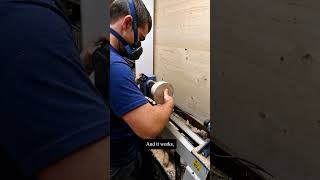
{"x":250,"y":164}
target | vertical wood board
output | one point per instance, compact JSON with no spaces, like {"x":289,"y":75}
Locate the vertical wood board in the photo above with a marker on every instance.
{"x":182,"y":52}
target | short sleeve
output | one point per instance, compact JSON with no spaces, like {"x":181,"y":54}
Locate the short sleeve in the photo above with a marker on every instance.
{"x":125,"y":95}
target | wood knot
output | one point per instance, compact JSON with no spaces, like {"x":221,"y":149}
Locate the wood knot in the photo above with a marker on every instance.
{"x":307,"y":58}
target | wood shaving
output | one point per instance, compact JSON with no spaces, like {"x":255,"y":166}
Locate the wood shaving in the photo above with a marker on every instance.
{"x":164,"y":158}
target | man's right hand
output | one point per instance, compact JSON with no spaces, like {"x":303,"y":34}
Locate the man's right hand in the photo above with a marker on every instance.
{"x":168,"y":98}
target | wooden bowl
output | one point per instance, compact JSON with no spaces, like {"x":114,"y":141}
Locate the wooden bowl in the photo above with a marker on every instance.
{"x":157,"y":91}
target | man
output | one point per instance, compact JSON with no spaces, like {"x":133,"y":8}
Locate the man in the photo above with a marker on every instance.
{"x":132,"y":117}
{"x":54,"y":123}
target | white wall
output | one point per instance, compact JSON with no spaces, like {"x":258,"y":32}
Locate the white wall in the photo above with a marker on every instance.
{"x":145,"y":63}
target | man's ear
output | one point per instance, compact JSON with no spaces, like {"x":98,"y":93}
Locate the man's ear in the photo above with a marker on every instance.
{"x":127,"y":23}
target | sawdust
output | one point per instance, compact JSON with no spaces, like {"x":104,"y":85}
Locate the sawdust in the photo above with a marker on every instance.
{"x":203,"y":134}
{"x":163,"y":156}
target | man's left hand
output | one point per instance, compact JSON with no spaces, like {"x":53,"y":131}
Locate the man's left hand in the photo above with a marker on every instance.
{"x":137,"y":79}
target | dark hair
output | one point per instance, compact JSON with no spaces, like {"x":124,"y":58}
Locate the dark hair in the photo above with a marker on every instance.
{"x":120,"y":8}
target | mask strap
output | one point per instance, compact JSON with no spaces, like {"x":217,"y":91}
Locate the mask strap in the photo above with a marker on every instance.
{"x":122,"y":40}
{"x":119,"y":37}
{"x":134,"y":22}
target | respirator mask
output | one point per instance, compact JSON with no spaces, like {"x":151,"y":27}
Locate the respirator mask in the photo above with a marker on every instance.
{"x":133,"y":51}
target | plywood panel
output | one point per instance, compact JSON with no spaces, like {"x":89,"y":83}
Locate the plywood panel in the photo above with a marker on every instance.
{"x":182,"y":52}
{"x":267,"y":83}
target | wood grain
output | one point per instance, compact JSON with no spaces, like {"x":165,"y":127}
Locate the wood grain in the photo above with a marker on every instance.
{"x":158,"y":89}
{"x":182,"y":52}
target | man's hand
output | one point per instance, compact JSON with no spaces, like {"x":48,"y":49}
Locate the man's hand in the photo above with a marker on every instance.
{"x":148,"y":121}
{"x":138,"y":78}
{"x":168,"y":98}
{"x":87,"y":53}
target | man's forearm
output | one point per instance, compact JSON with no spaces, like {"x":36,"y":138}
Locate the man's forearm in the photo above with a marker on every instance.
{"x":162,"y":115}
{"x":148,"y":121}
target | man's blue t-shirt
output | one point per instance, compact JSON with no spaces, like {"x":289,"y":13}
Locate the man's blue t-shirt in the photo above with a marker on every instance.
{"x":125,"y":96}
{"x":48,"y":106}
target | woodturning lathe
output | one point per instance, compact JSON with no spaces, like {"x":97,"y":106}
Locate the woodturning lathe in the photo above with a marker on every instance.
{"x":193,"y":149}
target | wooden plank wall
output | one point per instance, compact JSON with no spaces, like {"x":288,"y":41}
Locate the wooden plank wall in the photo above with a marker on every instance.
{"x":267,"y":83}
{"x":182,"y":52}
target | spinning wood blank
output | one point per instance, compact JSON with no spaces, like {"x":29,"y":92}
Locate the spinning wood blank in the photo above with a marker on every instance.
{"x":157,"y":91}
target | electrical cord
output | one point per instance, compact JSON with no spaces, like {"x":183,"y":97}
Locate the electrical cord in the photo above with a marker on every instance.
{"x":250,"y":164}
